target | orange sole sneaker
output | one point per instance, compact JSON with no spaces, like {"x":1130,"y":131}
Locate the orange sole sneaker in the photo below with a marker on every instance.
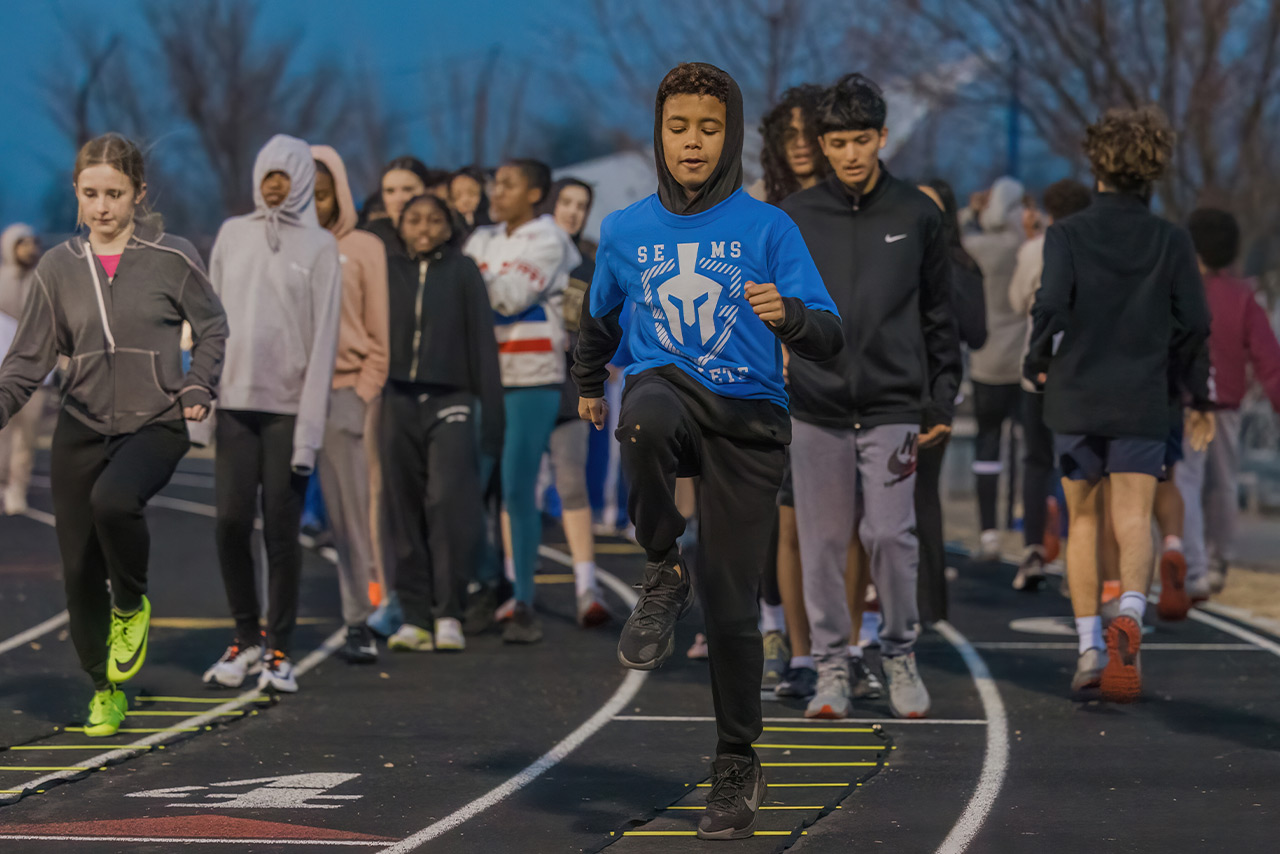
{"x":1122,"y":677}
{"x":1174,"y":602}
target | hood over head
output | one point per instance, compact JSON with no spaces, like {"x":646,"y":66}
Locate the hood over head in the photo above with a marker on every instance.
{"x":9,"y":242}
{"x":1004,"y":205}
{"x":347,"y":214}
{"x":291,"y":156}
{"x":725,"y":179}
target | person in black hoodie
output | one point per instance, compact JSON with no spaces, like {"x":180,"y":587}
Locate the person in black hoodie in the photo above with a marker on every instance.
{"x":718,"y":282}
{"x":444,"y":360}
{"x":881,"y":247}
{"x":969,"y":303}
{"x":1122,"y":288}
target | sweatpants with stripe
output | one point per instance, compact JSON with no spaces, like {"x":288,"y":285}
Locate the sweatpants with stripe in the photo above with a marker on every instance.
{"x":101,"y":486}
{"x":344,"y":479}
{"x":669,"y":429}
{"x":863,"y":479}
{"x":431,"y":478}
{"x":993,"y":405}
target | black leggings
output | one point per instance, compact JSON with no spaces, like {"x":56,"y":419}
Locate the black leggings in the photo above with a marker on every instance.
{"x":665,"y":435}
{"x":993,"y":405}
{"x":255,"y":449}
{"x":101,"y":484}
{"x":931,"y":583}
{"x":1037,"y":469}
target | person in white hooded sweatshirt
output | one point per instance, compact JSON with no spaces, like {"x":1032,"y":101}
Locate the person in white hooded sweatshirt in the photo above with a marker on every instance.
{"x":996,"y":369}
{"x":19,"y":252}
{"x":278,"y":274}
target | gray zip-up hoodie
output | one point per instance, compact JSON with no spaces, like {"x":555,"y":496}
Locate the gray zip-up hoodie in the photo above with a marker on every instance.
{"x":122,"y":335}
{"x":278,"y":274}
{"x":995,"y":248}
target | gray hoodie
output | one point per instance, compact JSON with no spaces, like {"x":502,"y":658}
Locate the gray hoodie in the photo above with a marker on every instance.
{"x":995,"y":248}
{"x":15,"y":281}
{"x":122,"y":335}
{"x":278,"y":274}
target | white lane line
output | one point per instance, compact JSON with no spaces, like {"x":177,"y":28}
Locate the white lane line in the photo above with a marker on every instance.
{"x":189,"y":840}
{"x":1158,"y":647}
{"x":621,"y":697}
{"x":135,"y":748}
{"x":1242,"y":615}
{"x":814,"y":723}
{"x":23,"y":638}
{"x":1232,"y":629}
{"x":56,"y":621}
{"x":996,"y":761}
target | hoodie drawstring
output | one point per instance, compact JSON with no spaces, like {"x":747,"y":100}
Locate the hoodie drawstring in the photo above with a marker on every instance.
{"x":102,"y":303}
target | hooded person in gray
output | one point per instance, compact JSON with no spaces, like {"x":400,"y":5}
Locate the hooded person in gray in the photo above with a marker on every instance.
{"x":19,"y":252}
{"x":278,"y":274}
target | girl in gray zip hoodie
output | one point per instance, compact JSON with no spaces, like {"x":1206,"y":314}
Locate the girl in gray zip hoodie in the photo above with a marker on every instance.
{"x":279,"y":276}
{"x":113,"y":303}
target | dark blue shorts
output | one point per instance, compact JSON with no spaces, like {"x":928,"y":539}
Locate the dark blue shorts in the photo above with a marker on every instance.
{"x":1173,"y":445}
{"x":1092,"y":457}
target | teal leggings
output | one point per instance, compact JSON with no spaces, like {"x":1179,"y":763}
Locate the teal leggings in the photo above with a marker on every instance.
{"x":531,"y":416}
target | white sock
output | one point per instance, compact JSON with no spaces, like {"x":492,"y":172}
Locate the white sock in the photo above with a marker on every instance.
{"x":803,"y":661}
{"x":509,"y":568}
{"x":855,"y":651}
{"x":1134,"y":603}
{"x":1090,"y":631}
{"x":584,"y":576}
{"x":771,"y":618}
{"x":1172,"y":543}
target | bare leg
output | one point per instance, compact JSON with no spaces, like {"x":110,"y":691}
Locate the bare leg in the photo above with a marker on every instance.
{"x":857,"y":575}
{"x":1108,"y":545}
{"x":1131,"y":508}
{"x":791,"y":582}
{"x":577,"y":530}
{"x":1083,"y":500}
{"x":1170,"y":511}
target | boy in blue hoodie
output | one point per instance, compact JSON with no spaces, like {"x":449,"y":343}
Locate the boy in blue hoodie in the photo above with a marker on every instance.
{"x":718,"y":282}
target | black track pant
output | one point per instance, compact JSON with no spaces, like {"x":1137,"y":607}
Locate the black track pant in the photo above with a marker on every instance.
{"x":431,"y":481}
{"x":932,"y":580}
{"x":993,"y":405}
{"x":100,"y":486}
{"x":1037,"y":469}
{"x":255,"y":450}
{"x":664,"y":434}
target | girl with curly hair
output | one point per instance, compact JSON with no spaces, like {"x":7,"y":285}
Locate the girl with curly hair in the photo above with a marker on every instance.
{"x":1122,"y":292}
{"x":791,"y":157}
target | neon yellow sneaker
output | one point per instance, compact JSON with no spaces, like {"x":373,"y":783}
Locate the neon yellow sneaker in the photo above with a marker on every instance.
{"x":106,"y":712}
{"x":128,"y":643}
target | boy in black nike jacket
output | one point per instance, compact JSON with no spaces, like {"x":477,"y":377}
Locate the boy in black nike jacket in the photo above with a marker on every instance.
{"x":880,"y":247}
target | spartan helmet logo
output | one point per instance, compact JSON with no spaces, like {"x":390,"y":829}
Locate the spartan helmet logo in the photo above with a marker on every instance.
{"x":694,"y":292}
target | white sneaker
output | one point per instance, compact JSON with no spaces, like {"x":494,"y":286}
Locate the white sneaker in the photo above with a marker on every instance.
{"x":908,"y":698}
{"x":277,"y":674}
{"x":831,"y":698}
{"x":410,"y":638}
{"x":237,"y":663}
{"x":989,"y":545}
{"x":449,"y":636}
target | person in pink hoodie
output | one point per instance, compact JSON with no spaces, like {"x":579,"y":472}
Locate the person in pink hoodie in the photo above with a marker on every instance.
{"x":1240,"y":338}
{"x":350,"y":452}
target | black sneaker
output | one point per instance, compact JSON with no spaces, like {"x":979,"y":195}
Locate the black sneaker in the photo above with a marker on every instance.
{"x":737,"y":790}
{"x":799,"y":683}
{"x":480,"y":607}
{"x":864,"y":684}
{"x":523,"y":627}
{"x":360,"y":648}
{"x":648,"y":638}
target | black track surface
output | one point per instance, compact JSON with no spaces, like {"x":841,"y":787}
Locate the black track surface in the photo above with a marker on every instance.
{"x":1192,"y":767}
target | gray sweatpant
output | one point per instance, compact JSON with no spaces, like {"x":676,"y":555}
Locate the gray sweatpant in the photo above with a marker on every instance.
{"x":1209,"y":483}
{"x":344,"y":480}
{"x":865,"y":478}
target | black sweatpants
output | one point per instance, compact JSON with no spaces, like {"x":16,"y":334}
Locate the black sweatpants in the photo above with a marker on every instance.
{"x":255,"y":451}
{"x":993,"y":405}
{"x":666,"y":432}
{"x":431,"y":481}
{"x":1037,"y":469}
{"x":101,"y":484}
{"x":931,"y":582}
